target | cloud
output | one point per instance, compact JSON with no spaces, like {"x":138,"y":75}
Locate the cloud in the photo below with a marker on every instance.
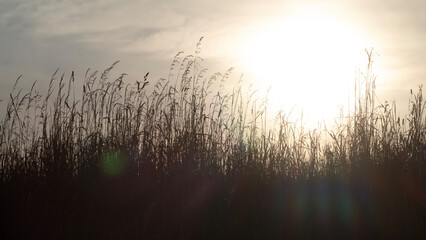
{"x":149,"y":26}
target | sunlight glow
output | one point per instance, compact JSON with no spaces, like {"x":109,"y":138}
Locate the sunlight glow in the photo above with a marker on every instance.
{"x":308,"y":59}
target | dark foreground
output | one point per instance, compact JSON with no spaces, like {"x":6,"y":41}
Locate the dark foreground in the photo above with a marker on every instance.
{"x":212,"y":207}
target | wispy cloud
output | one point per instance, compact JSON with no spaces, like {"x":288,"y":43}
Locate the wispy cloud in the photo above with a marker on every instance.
{"x":150,"y":26}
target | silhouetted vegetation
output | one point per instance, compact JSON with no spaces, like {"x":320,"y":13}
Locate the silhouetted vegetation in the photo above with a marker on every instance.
{"x":188,"y":159}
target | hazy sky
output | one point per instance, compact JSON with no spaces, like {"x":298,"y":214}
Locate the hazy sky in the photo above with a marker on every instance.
{"x":38,"y":36}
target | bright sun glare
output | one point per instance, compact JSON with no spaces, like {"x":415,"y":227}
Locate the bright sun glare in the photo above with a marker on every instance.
{"x":308,"y":60}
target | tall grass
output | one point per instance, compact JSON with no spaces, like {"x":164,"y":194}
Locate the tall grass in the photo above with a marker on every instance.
{"x":183,"y":157}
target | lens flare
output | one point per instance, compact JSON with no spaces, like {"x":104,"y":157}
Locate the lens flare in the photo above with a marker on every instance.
{"x":112,"y":163}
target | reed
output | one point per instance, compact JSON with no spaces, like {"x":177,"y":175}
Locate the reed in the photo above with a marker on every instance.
{"x":182,"y":156}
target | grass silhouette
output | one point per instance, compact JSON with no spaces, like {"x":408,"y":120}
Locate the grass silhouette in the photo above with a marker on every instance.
{"x":187,"y":159}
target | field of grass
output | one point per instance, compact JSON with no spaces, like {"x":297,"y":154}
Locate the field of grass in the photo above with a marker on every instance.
{"x":183,"y":158}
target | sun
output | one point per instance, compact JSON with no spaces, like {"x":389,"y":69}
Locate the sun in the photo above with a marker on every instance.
{"x":307,"y":59}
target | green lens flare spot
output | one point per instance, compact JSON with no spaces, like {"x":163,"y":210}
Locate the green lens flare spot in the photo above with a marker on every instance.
{"x":112,"y":163}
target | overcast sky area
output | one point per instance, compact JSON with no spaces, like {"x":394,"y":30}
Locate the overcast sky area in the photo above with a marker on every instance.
{"x":39,"y":36}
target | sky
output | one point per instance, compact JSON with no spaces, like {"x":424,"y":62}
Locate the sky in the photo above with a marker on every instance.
{"x":305,"y":52}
